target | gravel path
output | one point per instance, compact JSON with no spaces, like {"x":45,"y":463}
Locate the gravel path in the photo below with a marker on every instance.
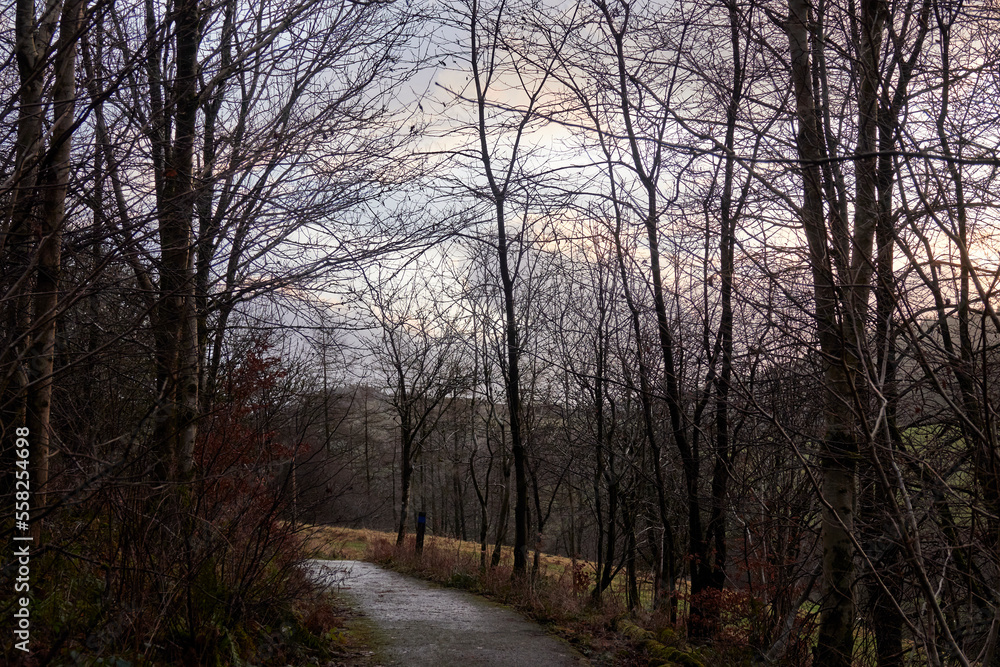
{"x":427,"y":626}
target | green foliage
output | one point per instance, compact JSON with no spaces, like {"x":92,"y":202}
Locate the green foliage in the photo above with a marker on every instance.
{"x":659,"y":654}
{"x":463,"y":580}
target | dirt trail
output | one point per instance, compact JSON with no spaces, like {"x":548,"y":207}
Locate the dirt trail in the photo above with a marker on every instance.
{"x":424,"y":625}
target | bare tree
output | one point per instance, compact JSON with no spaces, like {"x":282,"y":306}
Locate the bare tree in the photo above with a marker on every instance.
{"x":418,"y":353}
{"x":38,"y":205}
{"x":493,"y":66}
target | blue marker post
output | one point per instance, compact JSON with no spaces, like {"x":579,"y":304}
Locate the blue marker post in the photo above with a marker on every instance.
{"x":421,"y":527}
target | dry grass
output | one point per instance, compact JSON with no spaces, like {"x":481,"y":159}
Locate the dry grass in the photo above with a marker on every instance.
{"x":337,"y":543}
{"x":354,"y":543}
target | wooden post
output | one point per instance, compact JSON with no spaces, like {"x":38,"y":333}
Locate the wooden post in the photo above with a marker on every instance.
{"x":421,"y":527}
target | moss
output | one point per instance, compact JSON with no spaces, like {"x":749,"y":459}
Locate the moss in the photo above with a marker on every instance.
{"x":668,"y":637}
{"x":668,"y":656}
{"x":659,"y":655}
{"x":631,"y":631}
{"x":362,"y":640}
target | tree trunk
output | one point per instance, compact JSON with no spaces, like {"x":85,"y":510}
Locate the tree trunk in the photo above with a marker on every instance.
{"x":503,"y":519}
{"x":498,"y":192}
{"x":631,"y":575}
{"x":176,"y":319}
{"x":458,"y":500}
{"x":513,"y":387}
{"x":886,"y":619}
{"x":840,"y":447}
{"x":667,"y":574}
{"x":482,"y":495}
{"x":406,"y":475}
{"x":55,"y":174}
{"x":716,"y":530}
{"x":697,"y":546}
{"x":31,"y":48}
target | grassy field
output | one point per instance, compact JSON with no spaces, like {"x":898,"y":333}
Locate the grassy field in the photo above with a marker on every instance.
{"x":354,"y":544}
{"x":357,"y":544}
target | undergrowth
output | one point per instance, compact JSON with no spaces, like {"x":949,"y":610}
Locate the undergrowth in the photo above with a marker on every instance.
{"x":142,"y":571}
{"x":214,"y":603}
